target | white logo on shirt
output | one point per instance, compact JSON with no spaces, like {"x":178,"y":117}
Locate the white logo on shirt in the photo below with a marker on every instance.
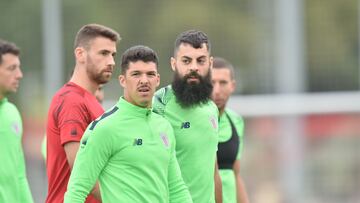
{"x":16,"y":128}
{"x":213,"y":122}
{"x":165,"y":139}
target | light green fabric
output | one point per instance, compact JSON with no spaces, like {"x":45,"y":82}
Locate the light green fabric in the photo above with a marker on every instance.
{"x":196,"y":142}
{"x":227,"y":175}
{"x":131,"y":151}
{"x":14,"y":186}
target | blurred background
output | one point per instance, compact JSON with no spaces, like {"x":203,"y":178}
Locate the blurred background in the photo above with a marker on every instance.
{"x":297,"y":71}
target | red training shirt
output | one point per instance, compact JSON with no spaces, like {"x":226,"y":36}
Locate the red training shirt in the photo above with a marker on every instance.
{"x":71,"y":110}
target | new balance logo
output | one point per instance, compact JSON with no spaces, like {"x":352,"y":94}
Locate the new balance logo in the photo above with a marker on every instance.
{"x":138,"y":142}
{"x":185,"y":125}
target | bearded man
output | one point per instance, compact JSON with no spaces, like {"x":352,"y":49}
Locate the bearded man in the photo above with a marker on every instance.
{"x":187,"y":105}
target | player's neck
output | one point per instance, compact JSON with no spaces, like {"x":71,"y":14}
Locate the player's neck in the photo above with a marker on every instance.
{"x":221,"y":111}
{"x":84,"y":81}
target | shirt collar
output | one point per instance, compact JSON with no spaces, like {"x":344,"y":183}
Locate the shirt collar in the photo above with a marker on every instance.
{"x":4,"y":100}
{"x":129,"y":108}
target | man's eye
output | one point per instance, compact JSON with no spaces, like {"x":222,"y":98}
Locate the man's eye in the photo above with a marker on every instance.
{"x":11,"y":68}
{"x":186,"y":61}
{"x":223,"y":82}
{"x":104,"y":53}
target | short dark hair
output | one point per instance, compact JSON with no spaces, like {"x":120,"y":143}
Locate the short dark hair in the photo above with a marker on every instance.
{"x":8,"y":48}
{"x":90,"y":31}
{"x":221,"y":63}
{"x":137,"y":53}
{"x":193,"y":37}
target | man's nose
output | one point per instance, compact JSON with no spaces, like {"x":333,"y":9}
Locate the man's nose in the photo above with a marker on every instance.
{"x":216,"y":88}
{"x":144,"y":78}
{"x":194,"y":67}
{"x":19,"y":73}
{"x":111,"y":61}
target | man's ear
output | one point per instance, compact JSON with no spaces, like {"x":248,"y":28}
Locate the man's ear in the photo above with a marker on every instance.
{"x":211,"y":61}
{"x":80,"y":53}
{"x":173,"y":63}
{"x":122,"y":81}
{"x":158,"y":80}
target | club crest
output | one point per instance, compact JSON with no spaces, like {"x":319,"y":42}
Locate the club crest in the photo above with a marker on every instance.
{"x":165,"y":139}
{"x":213,"y":122}
{"x":16,"y":128}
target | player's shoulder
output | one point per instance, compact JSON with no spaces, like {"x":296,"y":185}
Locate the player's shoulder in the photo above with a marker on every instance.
{"x":212,"y":106}
{"x":69,"y":94}
{"x":233,"y":115}
{"x":10,"y":106}
{"x":164,"y":94}
{"x":160,"y":119}
{"x":161,"y":99}
{"x":11,"y":111}
{"x":106,"y":120}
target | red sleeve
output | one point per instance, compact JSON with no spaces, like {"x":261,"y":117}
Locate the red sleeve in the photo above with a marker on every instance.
{"x":73,"y":118}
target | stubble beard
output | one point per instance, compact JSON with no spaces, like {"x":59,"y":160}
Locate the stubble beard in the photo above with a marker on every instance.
{"x":98,"y":77}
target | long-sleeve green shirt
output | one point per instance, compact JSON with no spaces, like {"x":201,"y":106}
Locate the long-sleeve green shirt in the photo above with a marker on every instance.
{"x":14,"y":186}
{"x":196,"y":133}
{"x":131,"y":151}
{"x":227,"y":175}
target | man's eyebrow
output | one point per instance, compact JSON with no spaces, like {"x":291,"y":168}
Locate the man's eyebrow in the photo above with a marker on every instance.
{"x":186,"y":57}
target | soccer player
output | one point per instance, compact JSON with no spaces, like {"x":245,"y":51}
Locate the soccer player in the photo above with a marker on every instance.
{"x":74,"y":106}
{"x":187,"y":105}
{"x":99,"y":95}
{"x":14,"y":186}
{"x":231,"y":129}
{"x":130,"y":149}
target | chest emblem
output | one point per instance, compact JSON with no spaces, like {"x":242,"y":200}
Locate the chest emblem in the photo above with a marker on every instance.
{"x":165,"y":139}
{"x":138,"y":142}
{"x":213,"y":122}
{"x":185,"y":125}
{"x":16,"y":128}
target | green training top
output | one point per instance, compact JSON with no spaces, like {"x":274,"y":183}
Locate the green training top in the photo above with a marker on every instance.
{"x":14,"y":186}
{"x":196,"y":141}
{"x":227,"y":175}
{"x":131,"y":151}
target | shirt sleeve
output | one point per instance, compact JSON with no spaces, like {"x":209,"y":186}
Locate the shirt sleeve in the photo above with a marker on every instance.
{"x":94,"y":152}
{"x":25,"y":193}
{"x":73,"y":119}
{"x":239,"y":124}
{"x":178,"y":191}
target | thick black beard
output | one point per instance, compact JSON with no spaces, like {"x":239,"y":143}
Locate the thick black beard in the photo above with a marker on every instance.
{"x":189,"y":95}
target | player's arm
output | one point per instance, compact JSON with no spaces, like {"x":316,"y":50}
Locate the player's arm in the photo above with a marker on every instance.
{"x":218,"y":184}
{"x":241,"y":194}
{"x":90,"y":160}
{"x":178,"y":191}
{"x":71,"y":149}
{"x":72,"y":123}
{"x":24,"y":185}
{"x":25,"y":193}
